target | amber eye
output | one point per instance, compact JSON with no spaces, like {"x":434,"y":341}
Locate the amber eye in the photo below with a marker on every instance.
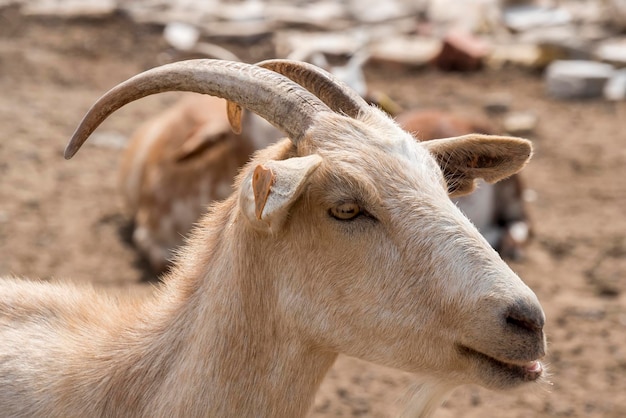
{"x":345,"y":211}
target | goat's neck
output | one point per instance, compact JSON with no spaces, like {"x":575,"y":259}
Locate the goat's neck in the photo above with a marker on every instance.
{"x":221,"y":340}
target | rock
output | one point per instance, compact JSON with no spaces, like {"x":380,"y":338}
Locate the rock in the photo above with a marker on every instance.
{"x":409,"y":51}
{"x":244,"y":11}
{"x":566,"y":41}
{"x":615,"y":88}
{"x":70,"y":8}
{"x":577,"y":79}
{"x":498,"y":104}
{"x":370,"y":11}
{"x":462,"y":51}
{"x":327,"y":15}
{"x":521,"y":18}
{"x":586,"y":11}
{"x":241,"y":31}
{"x":531,"y":56}
{"x":612,"y":51}
{"x":469,"y":15}
{"x":520,"y":123}
{"x":301,"y":45}
{"x":181,"y":36}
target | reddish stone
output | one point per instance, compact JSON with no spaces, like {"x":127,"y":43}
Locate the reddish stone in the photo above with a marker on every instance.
{"x":461,"y":52}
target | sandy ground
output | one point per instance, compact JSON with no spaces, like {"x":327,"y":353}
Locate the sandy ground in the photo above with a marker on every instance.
{"x":62,"y":219}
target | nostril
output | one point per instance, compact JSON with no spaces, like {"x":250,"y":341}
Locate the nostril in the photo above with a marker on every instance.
{"x":526,"y":317}
{"x":522,"y":323}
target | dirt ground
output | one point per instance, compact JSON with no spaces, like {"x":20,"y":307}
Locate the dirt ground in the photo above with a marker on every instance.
{"x":61,"y":219}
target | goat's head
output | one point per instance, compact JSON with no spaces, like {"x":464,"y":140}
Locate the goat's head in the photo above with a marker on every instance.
{"x":369,"y":255}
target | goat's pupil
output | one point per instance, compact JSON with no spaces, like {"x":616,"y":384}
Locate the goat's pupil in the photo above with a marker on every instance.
{"x":345,"y":211}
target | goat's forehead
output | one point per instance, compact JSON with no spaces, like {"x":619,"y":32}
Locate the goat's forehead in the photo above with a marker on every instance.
{"x":373,"y":144}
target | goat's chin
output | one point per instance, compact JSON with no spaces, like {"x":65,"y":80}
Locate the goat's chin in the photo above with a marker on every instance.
{"x":502,"y":375}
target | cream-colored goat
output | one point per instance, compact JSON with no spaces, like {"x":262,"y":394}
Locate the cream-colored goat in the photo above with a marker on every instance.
{"x":340,"y":239}
{"x":186,"y":157}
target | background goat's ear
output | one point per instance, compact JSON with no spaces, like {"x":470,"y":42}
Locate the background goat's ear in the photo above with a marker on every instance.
{"x":466,"y":158}
{"x":201,"y":141}
{"x":268,"y":192}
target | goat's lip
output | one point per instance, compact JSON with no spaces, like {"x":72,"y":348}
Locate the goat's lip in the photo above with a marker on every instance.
{"x":524,"y":371}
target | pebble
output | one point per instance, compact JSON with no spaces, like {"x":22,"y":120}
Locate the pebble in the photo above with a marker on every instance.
{"x":577,"y":79}
{"x":412,"y":51}
{"x":462,"y":51}
{"x":613,"y":52}
{"x":181,"y":36}
{"x":522,"y":18}
{"x":498,"y":103}
{"x":520,"y":123}
{"x":615,"y":88}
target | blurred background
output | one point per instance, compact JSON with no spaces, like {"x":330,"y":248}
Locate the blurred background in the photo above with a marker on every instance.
{"x":550,"y":71}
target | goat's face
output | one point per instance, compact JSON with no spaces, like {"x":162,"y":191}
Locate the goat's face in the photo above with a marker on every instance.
{"x":375,"y":261}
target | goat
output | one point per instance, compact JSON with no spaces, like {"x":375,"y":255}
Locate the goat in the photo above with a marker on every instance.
{"x":186,"y":157}
{"x":498,"y":210}
{"x":183,"y":159}
{"x":180,"y":161}
{"x":177,"y":163}
{"x":340,"y":238}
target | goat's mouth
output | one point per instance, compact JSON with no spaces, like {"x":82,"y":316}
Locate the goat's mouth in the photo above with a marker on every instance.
{"x":508,"y":373}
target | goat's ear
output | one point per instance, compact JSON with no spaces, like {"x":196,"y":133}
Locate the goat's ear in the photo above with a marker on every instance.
{"x":466,"y":158}
{"x":268,"y":192}
{"x":202,"y":140}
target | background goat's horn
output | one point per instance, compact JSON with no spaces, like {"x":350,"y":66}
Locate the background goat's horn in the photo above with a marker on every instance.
{"x":283,"y":103}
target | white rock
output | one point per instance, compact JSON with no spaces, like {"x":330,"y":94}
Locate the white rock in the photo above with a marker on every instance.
{"x":69,"y":7}
{"x":520,"y":123}
{"x":301,"y":45}
{"x":526,"y":55}
{"x":406,"y":50}
{"x":322,"y":14}
{"x":467,"y":15}
{"x":615,"y":88}
{"x":241,"y":11}
{"x":612,"y":51}
{"x":180,"y":35}
{"x":526,"y":17}
{"x":369,"y":11}
{"x":577,"y":79}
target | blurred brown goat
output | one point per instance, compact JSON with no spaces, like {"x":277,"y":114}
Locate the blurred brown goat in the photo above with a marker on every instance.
{"x":177,"y":163}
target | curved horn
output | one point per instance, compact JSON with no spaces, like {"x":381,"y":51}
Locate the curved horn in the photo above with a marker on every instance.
{"x":283,"y":103}
{"x":333,"y":92}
